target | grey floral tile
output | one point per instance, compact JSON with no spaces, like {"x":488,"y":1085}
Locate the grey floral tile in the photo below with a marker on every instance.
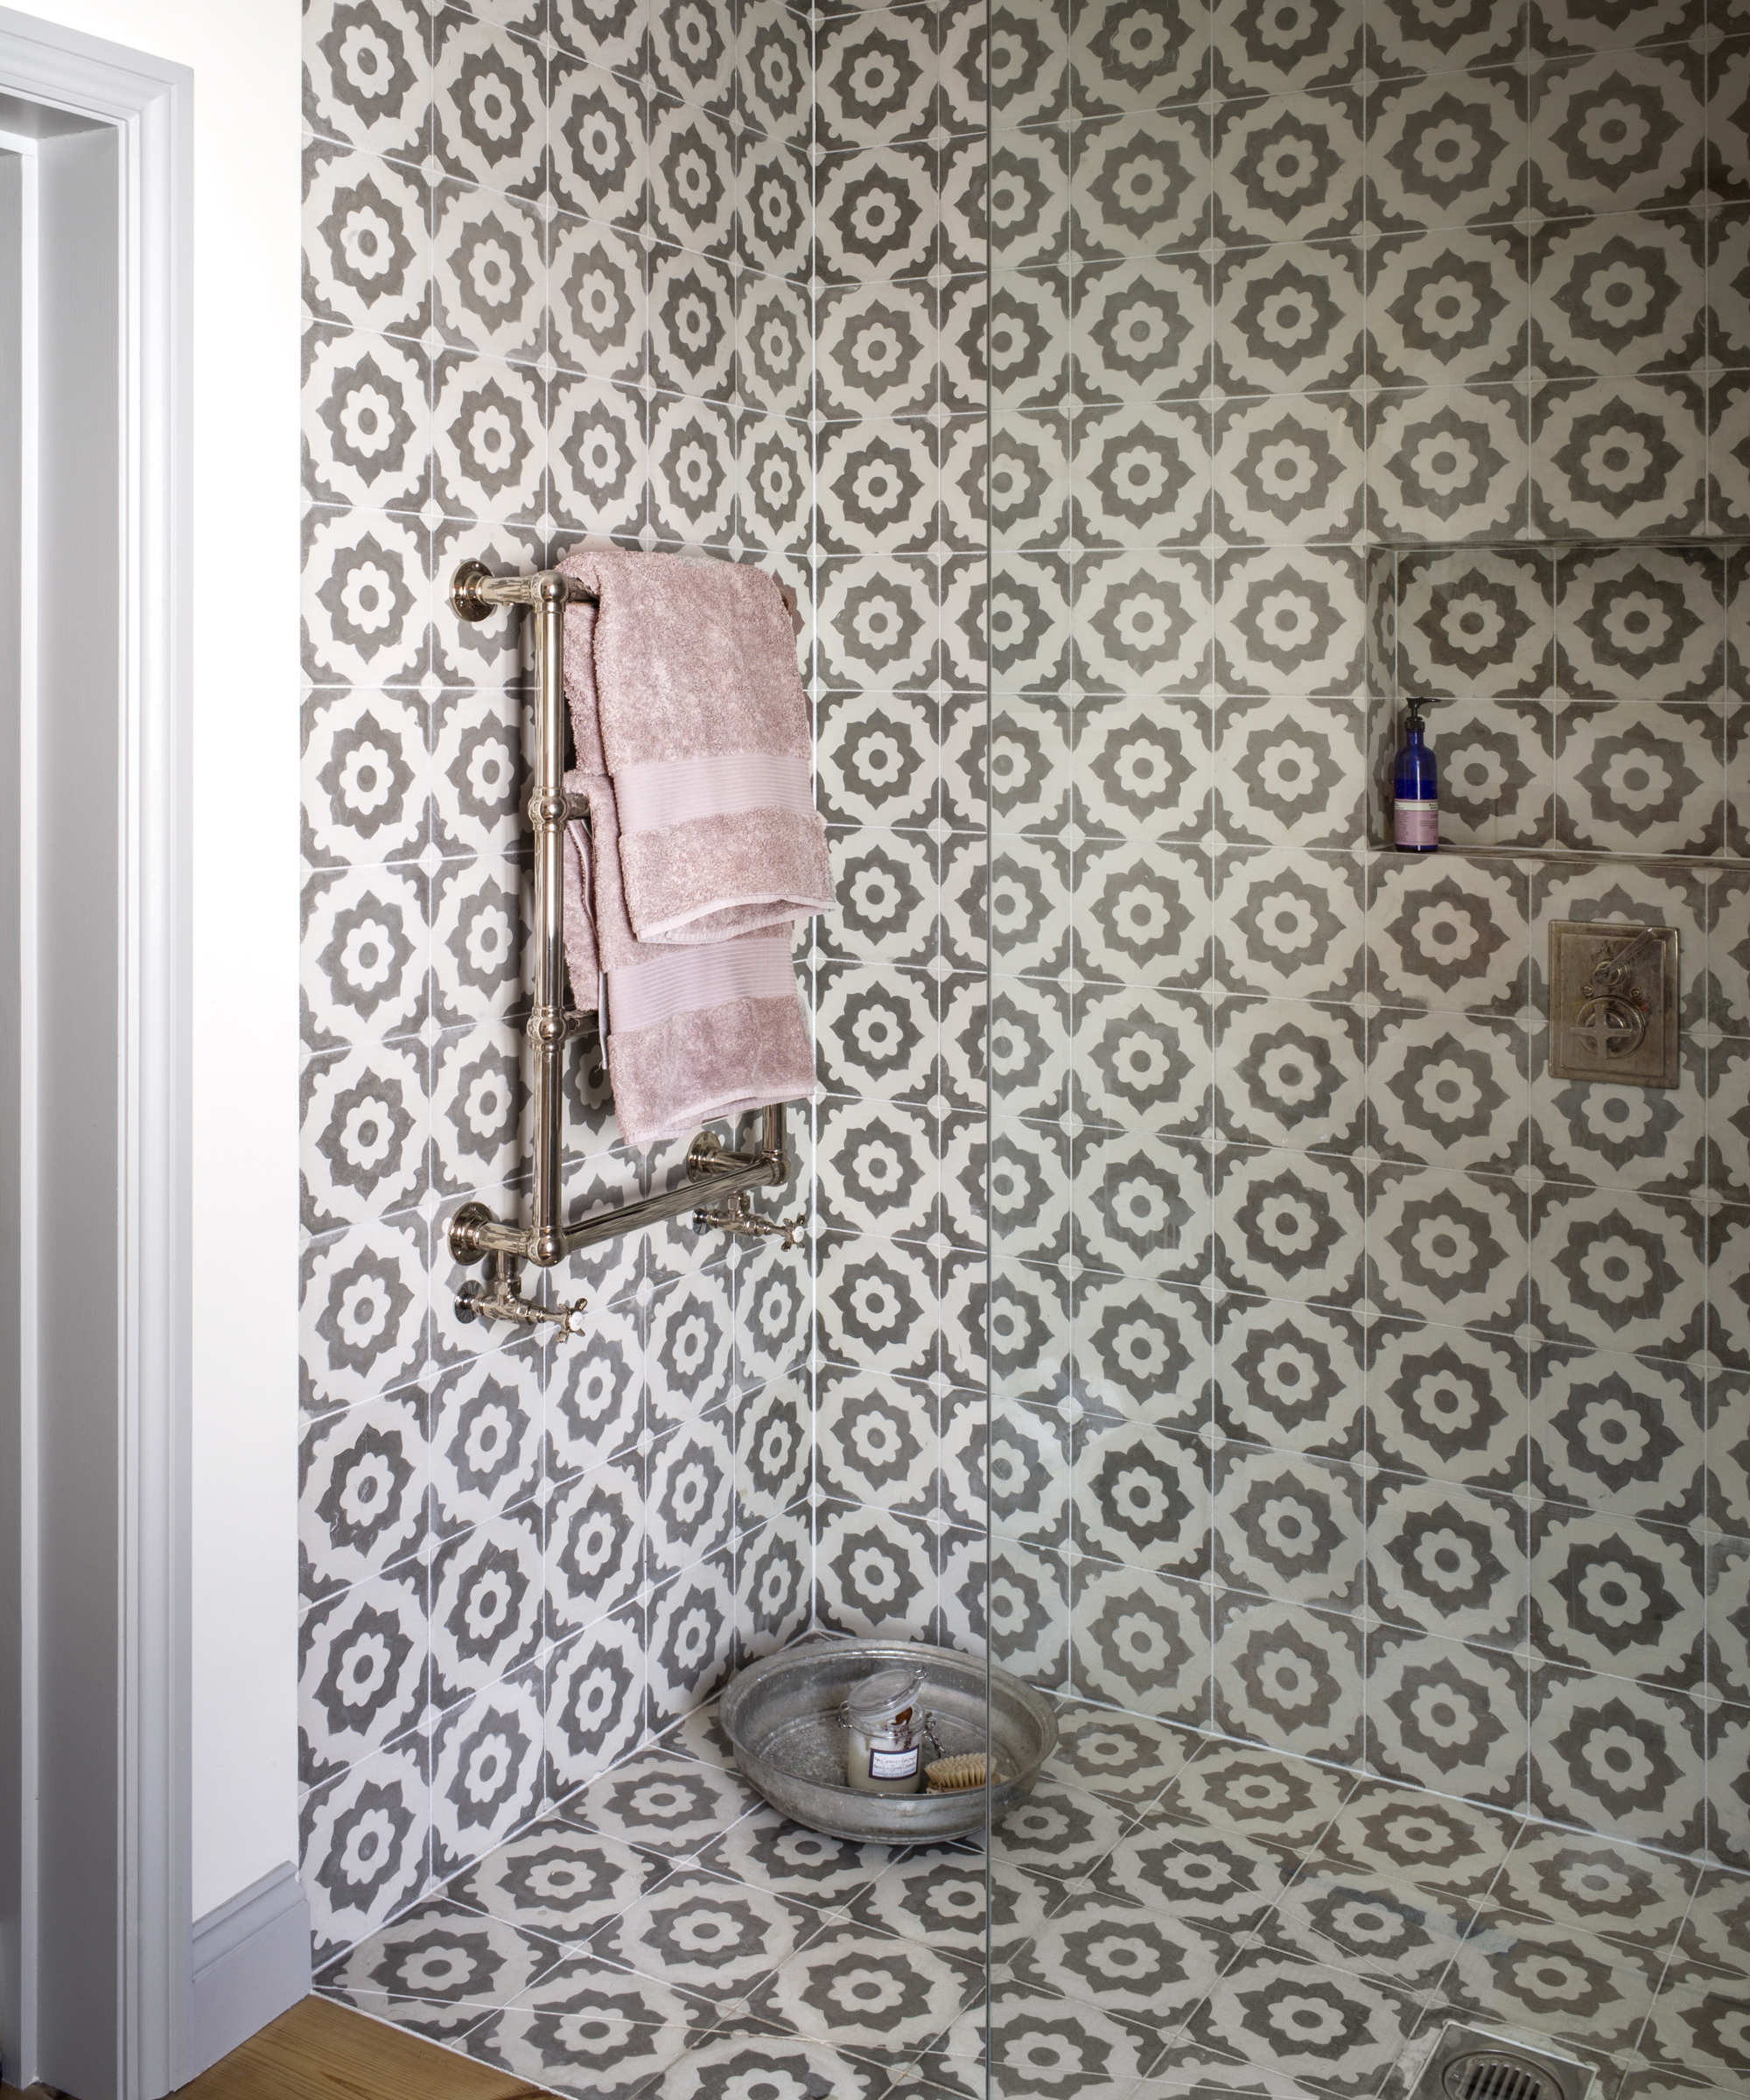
{"x":1617,"y":1757}
{"x":1222,"y":1882}
{"x":1125,"y":1759}
{"x":1611,"y":1891}
{"x":559,"y":1882}
{"x":1405,"y":1937}
{"x":593,"y":2028}
{"x":712,"y":1936}
{"x":447,"y":1954}
{"x":1287,"y":1676}
{"x":729,"y":2064}
{"x":854,"y":1990}
{"x":1279,"y":1800}
{"x":956,"y":1901}
{"x":1038,"y":2036}
{"x":1411,"y":1836}
{"x":1289,"y":1378}
{"x":766,"y":1851}
{"x":1550,"y":1977}
{"x":1449,"y":1715}
{"x":662,"y":1803}
{"x":1154,"y":1966}
{"x":1345,"y":2031}
{"x":1142,"y":1640}
{"x":367,"y":253}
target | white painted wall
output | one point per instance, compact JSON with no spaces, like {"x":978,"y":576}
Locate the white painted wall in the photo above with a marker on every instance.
{"x":246,"y":59}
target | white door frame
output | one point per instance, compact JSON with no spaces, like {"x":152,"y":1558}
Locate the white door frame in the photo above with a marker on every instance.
{"x":119,"y":2028}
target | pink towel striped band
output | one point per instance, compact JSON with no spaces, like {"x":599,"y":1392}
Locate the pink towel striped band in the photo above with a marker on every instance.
{"x":675,"y":791}
{"x":644,"y":994}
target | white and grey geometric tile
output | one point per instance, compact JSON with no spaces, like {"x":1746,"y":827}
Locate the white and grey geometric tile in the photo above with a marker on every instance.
{"x":586,"y":2020}
{"x":367,"y":252}
{"x":1289,"y":1526}
{"x":1614,"y":1595}
{"x":856,"y":1990}
{"x":700,"y":1933}
{"x":688,"y":1498}
{"x":1448,"y":1247}
{"x":672,"y":1806}
{"x":1617,"y":1432}
{"x":1616,"y":1892}
{"x":1623,"y":1269}
{"x":1409,"y":1836}
{"x":1288,"y":1073}
{"x":594,"y":1701}
{"x":366,"y":778}
{"x":773,"y":1593}
{"x":874,"y":1573}
{"x":1448,"y":1560}
{"x":365,"y":599}
{"x":486,"y":1605}
{"x":692,"y":1626}
{"x":1446,"y":1716}
{"x":486,"y":1770}
{"x":485,"y":1437}
{"x":1289,"y":1378}
{"x":594,"y":1408}
{"x":362,"y":1671}
{"x":363,"y":1145}
{"x":1289,"y":2014}
{"x":1289,"y":1225}
{"x":1288,"y":1677}
{"x":363,"y":1318}
{"x":1141,"y":1641}
{"x":489,"y":272}
{"x":1617,"y":1757}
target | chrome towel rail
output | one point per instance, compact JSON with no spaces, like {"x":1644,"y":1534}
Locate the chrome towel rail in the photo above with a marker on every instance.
{"x":475,"y":1235}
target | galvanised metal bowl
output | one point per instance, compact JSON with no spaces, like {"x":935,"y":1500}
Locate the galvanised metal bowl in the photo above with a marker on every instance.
{"x":782,"y":1713}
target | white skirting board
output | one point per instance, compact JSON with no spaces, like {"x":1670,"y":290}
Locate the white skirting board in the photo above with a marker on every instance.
{"x":251,"y":1962}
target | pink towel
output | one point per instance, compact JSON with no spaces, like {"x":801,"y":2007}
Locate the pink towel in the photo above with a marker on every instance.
{"x":684,"y":692}
{"x":693,"y":1032}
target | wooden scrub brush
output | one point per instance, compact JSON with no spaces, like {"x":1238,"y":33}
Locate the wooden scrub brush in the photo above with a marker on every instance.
{"x":956,"y":1774}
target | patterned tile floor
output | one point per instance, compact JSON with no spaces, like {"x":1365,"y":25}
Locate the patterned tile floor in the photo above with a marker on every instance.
{"x":1169,"y":1914}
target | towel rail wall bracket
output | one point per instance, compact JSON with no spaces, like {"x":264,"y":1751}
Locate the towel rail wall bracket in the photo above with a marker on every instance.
{"x":475,"y":1236}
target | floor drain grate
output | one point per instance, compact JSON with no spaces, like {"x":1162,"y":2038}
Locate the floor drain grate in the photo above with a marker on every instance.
{"x":1467,"y":2064}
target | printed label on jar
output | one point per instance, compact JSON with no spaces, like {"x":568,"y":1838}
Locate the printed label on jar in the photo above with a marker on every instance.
{"x":1417,"y":824}
{"x":893,"y":1764}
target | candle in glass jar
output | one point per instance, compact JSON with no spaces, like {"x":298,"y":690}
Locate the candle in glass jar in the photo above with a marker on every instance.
{"x":883,"y":1726}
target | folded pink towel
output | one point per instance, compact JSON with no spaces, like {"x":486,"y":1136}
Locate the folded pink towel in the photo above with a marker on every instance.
{"x":691,"y":1033}
{"x":684,"y":691}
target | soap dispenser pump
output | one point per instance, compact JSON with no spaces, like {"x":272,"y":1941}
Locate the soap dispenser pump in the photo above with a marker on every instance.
{"x":1415,"y":786}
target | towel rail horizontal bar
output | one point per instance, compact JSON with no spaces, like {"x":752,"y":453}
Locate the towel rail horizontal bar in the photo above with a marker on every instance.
{"x":474,"y":1234}
{"x":475,"y":593}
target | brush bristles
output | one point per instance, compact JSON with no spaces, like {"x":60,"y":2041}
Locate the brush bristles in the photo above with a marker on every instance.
{"x":954,"y":1775}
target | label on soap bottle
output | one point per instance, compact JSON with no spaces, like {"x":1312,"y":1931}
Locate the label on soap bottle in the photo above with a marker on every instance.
{"x":1416,"y":825}
{"x":893,"y":1764}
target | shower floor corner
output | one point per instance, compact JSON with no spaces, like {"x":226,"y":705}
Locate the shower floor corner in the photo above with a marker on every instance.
{"x":1170,"y":1911}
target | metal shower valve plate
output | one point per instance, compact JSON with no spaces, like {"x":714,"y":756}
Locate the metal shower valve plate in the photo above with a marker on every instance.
{"x":1614,"y":1002}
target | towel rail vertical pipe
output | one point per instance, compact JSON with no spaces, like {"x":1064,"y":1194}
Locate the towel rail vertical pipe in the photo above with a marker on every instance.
{"x":475,"y":1235}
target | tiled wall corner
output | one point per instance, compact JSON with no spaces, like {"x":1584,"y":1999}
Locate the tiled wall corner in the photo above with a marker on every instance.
{"x":899,"y":553}
{"x":556,"y":283}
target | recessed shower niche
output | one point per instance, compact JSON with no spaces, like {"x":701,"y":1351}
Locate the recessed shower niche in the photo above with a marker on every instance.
{"x":1587,"y":692}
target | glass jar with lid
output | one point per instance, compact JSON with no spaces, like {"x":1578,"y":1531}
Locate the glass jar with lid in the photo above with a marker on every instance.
{"x":885,"y":1733}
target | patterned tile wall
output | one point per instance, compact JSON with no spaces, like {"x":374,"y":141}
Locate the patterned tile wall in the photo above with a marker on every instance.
{"x":1359,"y":1389}
{"x":556,"y":281}
{"x":902,"y":567}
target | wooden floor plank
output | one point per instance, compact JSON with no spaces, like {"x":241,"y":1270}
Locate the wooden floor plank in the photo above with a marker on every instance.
{"x":322,"y":2051}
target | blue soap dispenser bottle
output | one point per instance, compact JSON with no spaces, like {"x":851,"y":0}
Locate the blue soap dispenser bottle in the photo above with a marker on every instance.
{"x":1415,"y":788}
